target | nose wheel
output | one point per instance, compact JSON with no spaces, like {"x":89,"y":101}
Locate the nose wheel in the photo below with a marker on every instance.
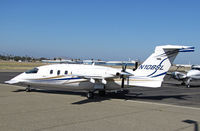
{"x":188,"y":83}
{"x":28,"y":89}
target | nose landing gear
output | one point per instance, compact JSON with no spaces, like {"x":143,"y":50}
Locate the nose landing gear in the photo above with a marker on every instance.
{"x":28,"y":88}
{"x":188,"y":83}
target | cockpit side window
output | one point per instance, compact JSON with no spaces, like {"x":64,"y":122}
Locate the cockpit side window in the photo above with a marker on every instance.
{"x":195,"y":68}
{"x":32,"y":71}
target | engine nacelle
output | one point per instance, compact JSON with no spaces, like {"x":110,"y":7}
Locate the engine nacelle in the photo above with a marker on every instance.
{"x":178,"y":75}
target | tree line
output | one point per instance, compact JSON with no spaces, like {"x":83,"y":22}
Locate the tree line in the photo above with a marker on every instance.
{"x":20,"y":58}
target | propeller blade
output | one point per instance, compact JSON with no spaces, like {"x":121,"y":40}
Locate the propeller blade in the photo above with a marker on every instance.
{"x":122,"y":76}
{"x":124,"y":67}
{"x":122,"y":85}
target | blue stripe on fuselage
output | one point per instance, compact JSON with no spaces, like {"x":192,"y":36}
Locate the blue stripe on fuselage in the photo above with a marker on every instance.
{"x":67,"y":78}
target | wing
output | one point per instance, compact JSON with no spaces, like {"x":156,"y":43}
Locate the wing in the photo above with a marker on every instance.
{"x":103,"y":78}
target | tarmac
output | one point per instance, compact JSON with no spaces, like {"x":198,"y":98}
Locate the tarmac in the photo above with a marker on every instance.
{"x":169,"y":108}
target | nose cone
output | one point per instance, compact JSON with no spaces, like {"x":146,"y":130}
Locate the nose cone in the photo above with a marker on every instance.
{"x":11,"y":81}
{"x":193,"y":73}
{"x":15,"y":80}
{"x":190,"y":73}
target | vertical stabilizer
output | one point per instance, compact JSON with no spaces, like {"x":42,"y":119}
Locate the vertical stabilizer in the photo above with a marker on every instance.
{"x":154,"y":68}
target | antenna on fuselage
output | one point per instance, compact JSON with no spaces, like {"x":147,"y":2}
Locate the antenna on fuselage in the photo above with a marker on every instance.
{"x":136,"y":65}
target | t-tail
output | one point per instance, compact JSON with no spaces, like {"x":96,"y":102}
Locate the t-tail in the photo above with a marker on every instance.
{"x":151,"y":73}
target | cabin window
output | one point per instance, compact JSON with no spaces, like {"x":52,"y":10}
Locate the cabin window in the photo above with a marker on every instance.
{"x":32,"y":71}
{"x":66,"y":72}
{"x":58,"y":72}
{"x":51,"y":71}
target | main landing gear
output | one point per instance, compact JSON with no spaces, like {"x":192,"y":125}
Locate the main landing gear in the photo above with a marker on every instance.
{"x":188,"y":85}
{"x":90,"y":94}
{"x":102,"y":92}
{"x":183,"y":83}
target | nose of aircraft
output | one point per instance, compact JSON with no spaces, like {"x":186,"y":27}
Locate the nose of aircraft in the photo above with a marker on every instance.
{"x":191,"y":73}
{"x":15,"y":80}
{"x":11,"y":81}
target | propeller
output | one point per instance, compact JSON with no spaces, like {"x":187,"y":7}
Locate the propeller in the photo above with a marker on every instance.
{"x":122,"y":76}
{"x":124,"y":67}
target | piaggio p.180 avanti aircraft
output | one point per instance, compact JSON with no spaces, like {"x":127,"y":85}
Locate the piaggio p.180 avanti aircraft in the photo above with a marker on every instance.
{"x":100,"y":78}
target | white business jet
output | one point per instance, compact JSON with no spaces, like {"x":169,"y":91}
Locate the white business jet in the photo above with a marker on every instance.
{"x":193,"y":74}
{"x":100,"y":78}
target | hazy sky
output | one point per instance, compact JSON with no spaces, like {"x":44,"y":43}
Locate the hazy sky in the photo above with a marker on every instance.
{"x":99,"y":29}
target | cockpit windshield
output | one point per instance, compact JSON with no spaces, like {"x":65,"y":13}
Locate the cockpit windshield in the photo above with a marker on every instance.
{"x":34,"y":70}
{"x":195,"y":68}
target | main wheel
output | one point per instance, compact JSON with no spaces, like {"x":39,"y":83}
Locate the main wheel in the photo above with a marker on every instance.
{"x":188,"y":85}
{"x":90,"y":95}
{"x":183,"y":83}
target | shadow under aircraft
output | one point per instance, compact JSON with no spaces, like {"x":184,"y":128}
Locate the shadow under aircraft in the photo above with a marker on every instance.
{"x":111,"y":95}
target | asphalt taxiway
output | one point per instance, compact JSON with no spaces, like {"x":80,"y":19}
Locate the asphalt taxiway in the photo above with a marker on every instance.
{"x":171,"y":107}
